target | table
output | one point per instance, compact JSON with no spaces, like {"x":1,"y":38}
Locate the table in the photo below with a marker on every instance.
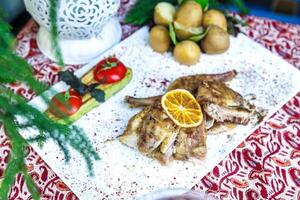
{"x":265,"y":166}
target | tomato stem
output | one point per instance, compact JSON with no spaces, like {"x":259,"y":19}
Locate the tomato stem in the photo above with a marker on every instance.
{"x":67,"y":95}
{"x":109,"y":65}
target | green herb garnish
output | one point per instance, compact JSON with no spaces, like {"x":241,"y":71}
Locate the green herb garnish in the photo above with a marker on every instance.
{"x":198,"y":37}
{"x":172,"y":33}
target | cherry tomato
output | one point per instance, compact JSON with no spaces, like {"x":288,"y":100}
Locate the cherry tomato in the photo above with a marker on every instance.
{"x":61,"y":105}
{"x":110,"y":70}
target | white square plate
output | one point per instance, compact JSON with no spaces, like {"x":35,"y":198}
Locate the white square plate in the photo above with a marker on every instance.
{"x":124,"y":173}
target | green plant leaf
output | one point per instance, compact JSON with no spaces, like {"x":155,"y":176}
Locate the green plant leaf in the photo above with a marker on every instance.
{"x":197,"y":38}
{"x":54,"y":31}
{"x":221,"y":5}
{"x":235,"y":20}
{"x":62,"y":134}
{"x":204,"y":4}
{"x":31,"y":185}
{"x":70,"y":79}
{"x":241,"y":6}
{"x":7,"y":41}
{"x":172,"y":33}
{"x":16,"y":162}
{"x":214,"y":4}
{"x":191,"y":30}
{"x":142,"y":11}
{"x":98,"y":94}
{"x":67,"y":95}
{"x":13,"y":106}
{"x":233,"y":24}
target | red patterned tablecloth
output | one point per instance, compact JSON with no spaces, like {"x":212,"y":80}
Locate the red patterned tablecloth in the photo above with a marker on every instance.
{"x":265,"y":166}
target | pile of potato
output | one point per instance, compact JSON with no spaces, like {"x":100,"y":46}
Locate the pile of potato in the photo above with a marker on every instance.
{"x":195,"y":31}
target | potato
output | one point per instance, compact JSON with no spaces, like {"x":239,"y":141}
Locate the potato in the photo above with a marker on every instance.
{"x":183,"y":33}
{"x":187,"y":52}
{"x":159,"y":39}
{"x":164,"y":13}
{"x":216,"y":41}
{"x":189,"y":14}
{"x":214,"y":17}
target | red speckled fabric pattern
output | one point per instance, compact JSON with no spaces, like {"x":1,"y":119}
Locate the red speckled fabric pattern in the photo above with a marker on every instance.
{"x":265,"y":166}
{"x":280,"y":38}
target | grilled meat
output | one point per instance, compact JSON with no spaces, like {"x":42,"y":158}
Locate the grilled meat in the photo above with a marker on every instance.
{"x":191,"y":142}
{"x":227,"y":114}
{"x":132,"y":133}
{"x":155,"y":128}
{"x":218,"y":93}
{"x":164,"y":158}
{"x":142,"y":102}
{"x":191,"y":83}
{"x":220,"y":127}
{"x":154,"y":134}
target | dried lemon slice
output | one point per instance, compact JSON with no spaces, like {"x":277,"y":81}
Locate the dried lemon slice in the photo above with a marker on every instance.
{"x":182,"y":107}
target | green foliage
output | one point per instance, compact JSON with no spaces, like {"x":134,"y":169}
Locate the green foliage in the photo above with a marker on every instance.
{"x":142,"y":12}
{"x":222,"y":4}
{"x":172,"y":33}
{"x":16,"y":160}
{"x":54,"y":31}
{"x":15,"y":69}
{"x":16,"y":114}
{"x":197,"y":38}
{"x":63,"y":135}
{"x":233,"y":24}
{"x":241,"y":6}
{"x":6,"y":40}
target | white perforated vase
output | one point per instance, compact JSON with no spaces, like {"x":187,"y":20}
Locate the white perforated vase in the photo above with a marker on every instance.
{"x":86,"y":27}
